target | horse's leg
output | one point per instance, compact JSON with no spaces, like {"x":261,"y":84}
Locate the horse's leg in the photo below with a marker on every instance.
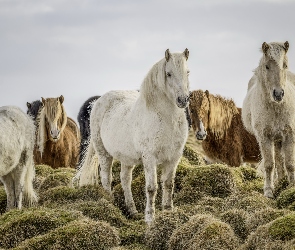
{"x":9,"y":188}
{"x":167,"y":179}
{"x":126,"y":179}
{"x":279,"y":161}
{"x":150,"y":171}
{"x":105,"y":163}
{"x":267,"y":153}
{"x":290,"y":158}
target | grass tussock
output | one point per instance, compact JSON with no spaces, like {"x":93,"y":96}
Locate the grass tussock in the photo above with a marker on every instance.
{"x":81,"y":234}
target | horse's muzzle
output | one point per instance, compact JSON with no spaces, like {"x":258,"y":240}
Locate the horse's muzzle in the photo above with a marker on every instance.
{"x":278,"y":95}
{"x":201,"y":136}
{"x":182,"y":101}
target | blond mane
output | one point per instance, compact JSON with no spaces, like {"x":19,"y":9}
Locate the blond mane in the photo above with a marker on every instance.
{"x":42,"y":135}
{"x":220,"y":111}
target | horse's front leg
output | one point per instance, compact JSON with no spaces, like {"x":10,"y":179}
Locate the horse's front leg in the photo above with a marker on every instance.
{"x":150,"y":170}
{"x":167,"y":179}
{"x":290,"y":158}
{"x":279,"y":161}
{"x":126,"y":179}
{"x":267,"y":153}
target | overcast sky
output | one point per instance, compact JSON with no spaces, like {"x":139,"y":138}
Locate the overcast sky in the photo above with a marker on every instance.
{"x":83,"y":48}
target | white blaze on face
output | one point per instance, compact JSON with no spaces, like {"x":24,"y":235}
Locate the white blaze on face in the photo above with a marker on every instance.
{"x":202,"y":129}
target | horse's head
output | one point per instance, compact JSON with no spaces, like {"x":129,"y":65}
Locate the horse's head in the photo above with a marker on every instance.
{"x":274,"y":66}
{"x":33,"y":108}
{"x":199,"y":108}
{"x":55,"y":117}
{"x":176,"y":77}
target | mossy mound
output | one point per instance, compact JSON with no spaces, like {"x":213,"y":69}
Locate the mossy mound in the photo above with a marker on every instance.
{"x":158,"y":234}
{"x":214,"y":180}
{"x":193,"y":156}
{"x":287,"y":199}
{"x":250,"y":202}
{"x":133,"y":233}
{"x":263,"y":217}
{"x":215,"y":235}
{"x":82,"y":234}
{"x":18,"y":225}
{"x":203,"y":232}
{"x":62,"y":195}
{"x":132,"y":247}
{"x":100,"y":210}
{"x":3,"y":200}
{"x":42,"y":171}
{"x":181,"y":236}
{"x":247,"y":179}
{"x":281,"y":186}
{"x":237,"y":218}
{"x":58,"y":178}
{"x":273,"y":235}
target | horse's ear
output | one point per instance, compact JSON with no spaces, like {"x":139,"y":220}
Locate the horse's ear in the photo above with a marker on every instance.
{"x":29,"y":105}
{"x":186,"y":53}
{"x":265,"y":47}
{"x":167,"y":55}
{"x":43,"y":101}
{"x":61,"y":99}
{"x":286,"y":46}
{"x":207,"y":93}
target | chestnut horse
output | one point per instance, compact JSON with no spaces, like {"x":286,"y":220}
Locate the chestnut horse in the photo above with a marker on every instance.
{"x":58,"y":136}
{"x":217,"y":121}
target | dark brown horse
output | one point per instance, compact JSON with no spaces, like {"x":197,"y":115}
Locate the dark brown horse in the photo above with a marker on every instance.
{"x":217,"y":121}
{"x":58,"y":136}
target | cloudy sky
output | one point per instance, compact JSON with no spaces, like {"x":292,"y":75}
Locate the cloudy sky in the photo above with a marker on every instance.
{"x":81,"y":48}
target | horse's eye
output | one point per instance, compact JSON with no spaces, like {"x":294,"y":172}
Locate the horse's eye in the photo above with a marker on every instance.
{"x":168,"y":74}
{"x":285,"y":66}
{"x":188,"y":72}
{"x":266,"y":66}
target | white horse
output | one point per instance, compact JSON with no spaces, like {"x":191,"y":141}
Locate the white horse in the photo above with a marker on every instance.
{"x":17,"y":169}
{"x":147,"y":127}
{"x":268,"y":112}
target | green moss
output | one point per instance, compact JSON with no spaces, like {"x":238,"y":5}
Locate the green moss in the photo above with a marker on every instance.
{"x":193,"y":156}
{"x":100,"y":210}
{"x":43,"y":170}
{"x":281,"y":186}
{"x":158,"y":234}
{"x":63,"y":195}
{"x":18,"y":225}
{"x":59,"y":178}
{"x":215,"y":235}
{"x":3,"y":200}
{"x":237,"y":218}
{"x":262,"y":217}
{"x":286,"y":199}
{"x":215,"y":180}
{"x":132,"y":247}
{"x":181,"y":236}
{"x":249,"y":202}
{"x":133,"y":233}
{"x":85,"y":234}
{"x":283,"y":228}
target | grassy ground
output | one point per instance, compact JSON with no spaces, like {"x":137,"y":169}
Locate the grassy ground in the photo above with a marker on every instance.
{"x":215,"y":207}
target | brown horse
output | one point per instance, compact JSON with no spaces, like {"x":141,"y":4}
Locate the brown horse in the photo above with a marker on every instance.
{"x":58,"y":136}
{"x":217,"y":121}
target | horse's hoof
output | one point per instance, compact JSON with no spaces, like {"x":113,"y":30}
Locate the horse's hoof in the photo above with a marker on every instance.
{"x":136,"y":216}
{"x":268,"y":192}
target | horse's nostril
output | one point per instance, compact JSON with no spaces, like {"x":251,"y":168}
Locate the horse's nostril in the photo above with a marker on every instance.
{"x":179,"y":99}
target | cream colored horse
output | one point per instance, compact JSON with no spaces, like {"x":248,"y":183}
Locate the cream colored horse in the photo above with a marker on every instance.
{"x":268,"y":113}
{"x":17,"y":171}
{"x":148,"y":127}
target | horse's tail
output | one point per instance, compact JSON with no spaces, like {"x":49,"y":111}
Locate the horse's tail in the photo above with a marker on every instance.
{"x":30,"y":197}
{"x":88,"y":172}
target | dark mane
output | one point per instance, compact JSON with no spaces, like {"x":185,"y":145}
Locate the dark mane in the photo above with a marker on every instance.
{"x":84,"y":122}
